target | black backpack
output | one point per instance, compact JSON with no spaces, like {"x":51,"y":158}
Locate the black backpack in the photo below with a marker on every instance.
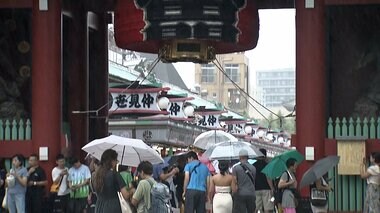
{"x":277,"y":191}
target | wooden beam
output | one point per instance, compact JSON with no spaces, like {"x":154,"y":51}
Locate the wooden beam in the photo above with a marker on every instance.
{"x":10,"y":148}
{"x":16,"y":4}
{"x":351,"y":2}
{"x":100,"y":5}
{"x":275,"y":4}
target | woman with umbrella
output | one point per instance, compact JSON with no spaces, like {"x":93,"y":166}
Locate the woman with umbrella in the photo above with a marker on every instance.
{"x":288,"y":183}
{"x":107,"y":182}
{"x":372,"y":174}
{"x":314,"y":177}
{"x":323,"y":188}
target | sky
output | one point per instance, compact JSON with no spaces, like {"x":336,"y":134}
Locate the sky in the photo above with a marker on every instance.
{"x":275,"y":48}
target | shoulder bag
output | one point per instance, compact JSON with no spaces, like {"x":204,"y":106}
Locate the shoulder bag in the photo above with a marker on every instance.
{"x":317,"y":197}
{"x":4,"y":204}
{"x":55,"y":186}
{"x":248,"y":172}
{"x":124,"y":205}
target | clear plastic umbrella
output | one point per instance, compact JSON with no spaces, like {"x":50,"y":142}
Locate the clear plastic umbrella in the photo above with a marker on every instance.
{"x":209,"y":138}
{"x":230,"y":150}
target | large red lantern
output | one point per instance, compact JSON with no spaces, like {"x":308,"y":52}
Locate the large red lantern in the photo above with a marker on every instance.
{"x":187,"y":30}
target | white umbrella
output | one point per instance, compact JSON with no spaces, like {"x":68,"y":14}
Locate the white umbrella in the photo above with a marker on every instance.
{"x":209,"y":138}
{"x":130,"y":151}
{"x":230,"y":150}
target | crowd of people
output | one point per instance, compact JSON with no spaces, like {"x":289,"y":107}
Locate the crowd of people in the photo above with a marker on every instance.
{"x":188,"y":184}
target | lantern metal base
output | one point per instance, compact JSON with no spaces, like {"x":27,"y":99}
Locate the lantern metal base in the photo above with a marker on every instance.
{"x":187,"y":51}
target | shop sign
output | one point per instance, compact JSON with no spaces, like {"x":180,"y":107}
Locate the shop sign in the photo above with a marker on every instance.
{"x":136,"y":101}
{"x":209,"y":121}
{"x":175,"y":109}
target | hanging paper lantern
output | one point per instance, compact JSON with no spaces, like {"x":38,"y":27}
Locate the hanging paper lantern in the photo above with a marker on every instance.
{"x":187,"y":30}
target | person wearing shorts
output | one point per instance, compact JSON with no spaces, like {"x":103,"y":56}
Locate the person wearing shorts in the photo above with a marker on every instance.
{"x":263,"y":185}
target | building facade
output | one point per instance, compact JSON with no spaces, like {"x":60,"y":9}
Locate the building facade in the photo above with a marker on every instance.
{"x":216,"y":86}
{"x":277,"y":86}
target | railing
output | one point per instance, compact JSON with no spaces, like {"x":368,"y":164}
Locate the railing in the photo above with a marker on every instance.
{"x":354,"y":128}
{"x":15,"y":130}
{"x":349,"y":190}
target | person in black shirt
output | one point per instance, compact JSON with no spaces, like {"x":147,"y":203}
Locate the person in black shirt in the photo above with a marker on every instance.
{"x":36,"y":186}
{"x":264,"y":186}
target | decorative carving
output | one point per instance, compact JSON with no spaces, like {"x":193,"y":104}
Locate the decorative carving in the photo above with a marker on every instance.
{"x":15,"y":63}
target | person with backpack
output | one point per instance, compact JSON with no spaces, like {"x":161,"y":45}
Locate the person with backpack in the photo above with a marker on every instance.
{"x":244,"y":176}
{"x":195,"y":185}
{"x":288,"y":184}
{"x":141,"y":198}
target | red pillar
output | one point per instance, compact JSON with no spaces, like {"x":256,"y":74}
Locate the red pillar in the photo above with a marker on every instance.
{"x":310,"y":81}
{"x":46,"y":80}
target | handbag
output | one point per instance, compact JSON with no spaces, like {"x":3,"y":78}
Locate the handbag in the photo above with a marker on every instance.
{"x":124,"y":205}
{"x":55,"y":186}
{"x":318,"y":198}
{"x":4,"y":204}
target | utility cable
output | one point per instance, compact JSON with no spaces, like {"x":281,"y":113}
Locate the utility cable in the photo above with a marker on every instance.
{"x":220,"y":67}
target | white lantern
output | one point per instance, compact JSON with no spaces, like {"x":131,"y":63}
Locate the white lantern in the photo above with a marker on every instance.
{"x":280,"y":139}
{"x":222,"y":123}
{"x":270,"y":136}
{"x":163,"y":103}
{"x":189,"y":111}
{"x":260,"y":133}
{"x":248,"y":129}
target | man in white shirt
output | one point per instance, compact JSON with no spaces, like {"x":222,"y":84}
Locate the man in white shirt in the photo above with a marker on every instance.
{"x":59,"y":176}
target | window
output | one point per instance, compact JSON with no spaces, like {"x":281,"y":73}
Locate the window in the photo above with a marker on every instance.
{"x":234,"y":99}
{"x":208,"y":73}
{"x":232,"y":71}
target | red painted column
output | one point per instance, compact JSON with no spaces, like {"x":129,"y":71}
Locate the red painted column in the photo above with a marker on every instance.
{"x":46,"y":80}
{"x":310,"y":81}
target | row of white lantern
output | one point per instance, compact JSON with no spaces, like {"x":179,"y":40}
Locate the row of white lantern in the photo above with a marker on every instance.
{"x":188,"y":110}
{"x":261,"y":133}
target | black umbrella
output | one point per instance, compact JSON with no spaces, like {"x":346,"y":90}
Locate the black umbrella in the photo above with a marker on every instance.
{"x":170,"y":160}
{"x":320,"y":168}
